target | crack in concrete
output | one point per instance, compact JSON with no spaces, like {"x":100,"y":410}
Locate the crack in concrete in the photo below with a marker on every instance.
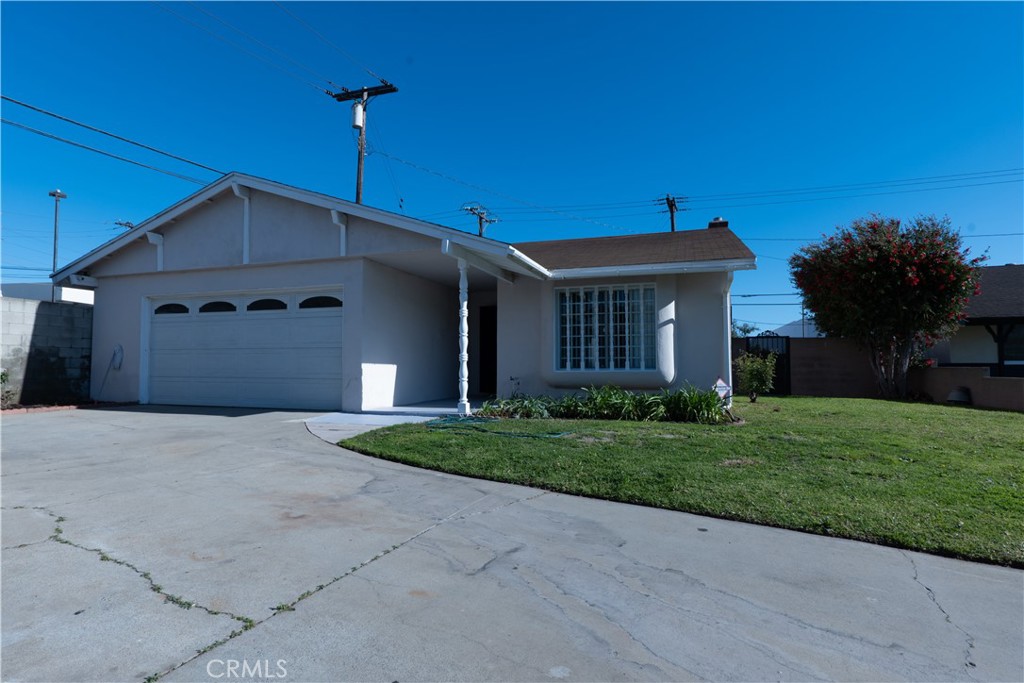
{"x":290,"y":606}
{"x":968,"y":638}
{"x":249,"y":623}
{"x":58,"y":537}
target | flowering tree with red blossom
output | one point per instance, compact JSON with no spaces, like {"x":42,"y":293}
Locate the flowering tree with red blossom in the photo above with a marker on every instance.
{"x":894,"y":289}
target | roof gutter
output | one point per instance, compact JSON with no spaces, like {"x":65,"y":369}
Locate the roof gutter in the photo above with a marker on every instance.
{"x":646,"y":269}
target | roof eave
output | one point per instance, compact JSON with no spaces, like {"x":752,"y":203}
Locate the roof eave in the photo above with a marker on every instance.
{"x":678,"y":268}
{"x":481,"y":244}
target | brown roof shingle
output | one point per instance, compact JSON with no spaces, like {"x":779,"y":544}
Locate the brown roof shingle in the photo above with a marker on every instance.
{"x":711,"y":244}
{"x":1002,"y":294}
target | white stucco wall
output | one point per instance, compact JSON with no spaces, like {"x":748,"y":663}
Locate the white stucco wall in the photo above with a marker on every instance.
{"x":286,"y":230}
{"x":400,"y":331}
{"x":121,"y":312}
{"x":692,"y":322}
{"x":409,"y":338}
{"x":973,"y":344}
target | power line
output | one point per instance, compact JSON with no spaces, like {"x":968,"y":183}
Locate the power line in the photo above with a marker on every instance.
{"x":387,"y":167}
{"x":882,"y":184}
{"x":240,"y":48}
{"x":855,"y":196}
{"x":38,"y":270}
{"x":100,"y":151}
{"x":820,"y":199}
{"x":262,"y":44}
{"x":325,"y":39}
{"x":848,"y":186}
{"x":811,"y":239}
{"x":109,"y":134}
{"x":453,"y":179}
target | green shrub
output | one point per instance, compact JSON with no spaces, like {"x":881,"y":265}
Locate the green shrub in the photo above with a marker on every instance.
{"x":614,"y":403}
{"x":755,"y":374}
{"x":569,"y":407}
{"x":517,"y":407}
{"x":606,"y":403}
{"x":690,"y":404}
{"x":643,"y":408}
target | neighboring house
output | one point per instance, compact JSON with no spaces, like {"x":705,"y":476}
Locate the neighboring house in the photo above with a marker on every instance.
{"x":993,"y":333}
{"x":254,"y":293}
{"x":801,"y":329}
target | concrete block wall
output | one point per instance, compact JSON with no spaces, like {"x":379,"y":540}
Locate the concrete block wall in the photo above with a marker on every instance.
{"x":826,"y":366}
{"x":46,"y":350}
{"x":998,"y":393}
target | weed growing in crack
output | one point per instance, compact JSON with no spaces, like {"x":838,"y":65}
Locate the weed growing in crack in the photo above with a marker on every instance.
{"x":180,"y":602}
{"x":285,"y":607}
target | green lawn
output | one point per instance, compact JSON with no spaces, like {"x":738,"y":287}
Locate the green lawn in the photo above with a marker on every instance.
{"x":926,"y":477}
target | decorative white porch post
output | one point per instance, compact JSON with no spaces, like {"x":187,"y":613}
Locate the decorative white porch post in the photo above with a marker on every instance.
{"x":727,"y":339}
{"x":463,"y":340}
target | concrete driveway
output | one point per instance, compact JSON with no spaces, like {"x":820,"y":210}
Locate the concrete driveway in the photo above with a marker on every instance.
{"x":136,"y":539}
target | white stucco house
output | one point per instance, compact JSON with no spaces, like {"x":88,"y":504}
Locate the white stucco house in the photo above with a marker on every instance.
{"x":252,"y":293}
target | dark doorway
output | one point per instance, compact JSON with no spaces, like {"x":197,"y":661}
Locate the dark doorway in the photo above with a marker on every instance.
{"x":489,"y":350}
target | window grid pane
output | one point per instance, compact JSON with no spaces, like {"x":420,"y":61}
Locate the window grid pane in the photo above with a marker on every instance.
{"x":606,"y":328}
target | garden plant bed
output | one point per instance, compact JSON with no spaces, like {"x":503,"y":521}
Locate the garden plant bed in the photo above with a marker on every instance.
{"x":933,"y":478}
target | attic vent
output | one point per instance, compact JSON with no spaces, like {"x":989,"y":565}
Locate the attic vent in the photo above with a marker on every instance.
{"x":718,"y":222}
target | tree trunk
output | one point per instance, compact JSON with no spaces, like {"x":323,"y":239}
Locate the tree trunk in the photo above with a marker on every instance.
{"x":890,"y":360}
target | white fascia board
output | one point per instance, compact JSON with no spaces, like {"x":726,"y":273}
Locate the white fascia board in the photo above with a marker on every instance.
{"x":457,"y":251}
{"x":654,"y":269}
{"x":538,"y":271}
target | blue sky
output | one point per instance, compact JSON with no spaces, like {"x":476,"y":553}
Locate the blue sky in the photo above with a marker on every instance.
{"x":564,"y":119}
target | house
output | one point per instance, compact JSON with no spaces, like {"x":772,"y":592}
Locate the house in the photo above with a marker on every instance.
{"x":254,"y":293}
{"x":992,"y":335}
{"x":801,"y":329}
{"x":44,"y":291}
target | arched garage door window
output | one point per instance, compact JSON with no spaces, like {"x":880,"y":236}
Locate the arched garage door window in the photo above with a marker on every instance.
{"x":217,"y":307}
{"x":321,"y":302}
{"x":167,"y":309}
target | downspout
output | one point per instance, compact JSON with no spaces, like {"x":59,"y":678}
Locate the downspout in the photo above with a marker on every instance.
{"x":727,"y":335}
{"x":242,"y":193}
{"x":341,"y":220}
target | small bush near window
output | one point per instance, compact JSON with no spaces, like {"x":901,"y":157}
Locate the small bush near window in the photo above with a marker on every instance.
{"x":690,"y":404}
{"x":755,"y":374}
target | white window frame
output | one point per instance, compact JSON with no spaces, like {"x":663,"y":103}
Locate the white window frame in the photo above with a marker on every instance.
{"x":629,"y":333}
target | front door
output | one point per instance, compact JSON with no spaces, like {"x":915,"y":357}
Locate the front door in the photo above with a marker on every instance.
{"x":489,"y":350}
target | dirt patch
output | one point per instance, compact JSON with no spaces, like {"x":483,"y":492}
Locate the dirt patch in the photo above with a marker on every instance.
{"x":601,"y":437}
{"x":737,"y":462}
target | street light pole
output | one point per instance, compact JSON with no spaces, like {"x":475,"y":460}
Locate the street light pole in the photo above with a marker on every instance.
{"x":57,"y":196}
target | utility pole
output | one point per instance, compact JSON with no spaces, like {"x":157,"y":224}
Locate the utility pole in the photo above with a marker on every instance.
{"x":481,"y":216}
{"x":360,"y":99}
{"x":57,"y":196}
{"x":670,"y":202}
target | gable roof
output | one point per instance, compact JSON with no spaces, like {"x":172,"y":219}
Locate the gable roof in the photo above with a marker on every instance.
{"x":1002,"y":294}
{"x":711,"y":249}
{"x":492,"y":251}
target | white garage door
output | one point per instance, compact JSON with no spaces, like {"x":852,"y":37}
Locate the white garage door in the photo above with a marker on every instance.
{"x":276,"y":350}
